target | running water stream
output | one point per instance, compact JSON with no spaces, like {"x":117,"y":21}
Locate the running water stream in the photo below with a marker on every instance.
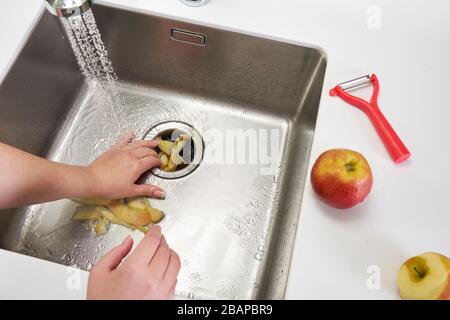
{"x":92,"y":57}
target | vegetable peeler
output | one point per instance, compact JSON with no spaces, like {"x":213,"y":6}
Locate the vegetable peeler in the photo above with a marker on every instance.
{"x":391,"y":140}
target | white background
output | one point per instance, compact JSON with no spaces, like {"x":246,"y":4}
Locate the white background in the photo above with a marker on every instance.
{"x":407,"y":211}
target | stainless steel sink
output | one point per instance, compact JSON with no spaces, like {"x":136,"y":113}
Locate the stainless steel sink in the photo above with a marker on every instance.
{"x":233,"y":224}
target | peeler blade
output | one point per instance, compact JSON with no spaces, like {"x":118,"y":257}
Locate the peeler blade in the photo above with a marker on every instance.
{"x":354,"y":83}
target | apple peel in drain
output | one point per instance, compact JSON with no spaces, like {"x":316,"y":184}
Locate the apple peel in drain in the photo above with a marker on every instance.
{"x":170,"y":152}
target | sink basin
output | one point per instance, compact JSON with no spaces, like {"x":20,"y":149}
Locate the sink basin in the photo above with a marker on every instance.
{"x":233,"y":222}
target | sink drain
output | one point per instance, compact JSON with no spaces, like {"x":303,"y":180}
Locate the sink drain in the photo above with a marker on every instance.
{"x":192,"y":152}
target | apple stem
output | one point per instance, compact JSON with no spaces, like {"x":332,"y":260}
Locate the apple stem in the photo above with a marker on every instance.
{"x":420,"y":273}
{"x":350,"y":166}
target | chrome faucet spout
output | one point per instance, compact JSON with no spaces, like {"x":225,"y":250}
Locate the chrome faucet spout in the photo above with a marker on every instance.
{"x":195,"y":3}
{"x":67,"y":8}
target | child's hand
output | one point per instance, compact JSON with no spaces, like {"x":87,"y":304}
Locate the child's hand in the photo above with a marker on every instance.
{"x":115,"y":172}
{"x":149,"y":272}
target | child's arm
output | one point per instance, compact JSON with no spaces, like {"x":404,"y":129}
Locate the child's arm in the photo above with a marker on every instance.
{"x":27,"y":179}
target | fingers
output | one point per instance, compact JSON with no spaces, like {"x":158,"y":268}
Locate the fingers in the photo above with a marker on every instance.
{"x":171,"y":294}
{"x":160,"y":261}
{"x":173,"y":268}
{"x":147,"y":163}
{"x":142,"y":143}
{"x":143,"y":152}
{"x":112,"y":260}
{"x":148,"y":190}
{"x":125,"y":139}
{"x":126,"y":142}
{"x":146,"y":249}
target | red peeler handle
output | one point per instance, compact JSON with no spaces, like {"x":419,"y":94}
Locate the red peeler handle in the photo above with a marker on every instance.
{"x":391,"y":140}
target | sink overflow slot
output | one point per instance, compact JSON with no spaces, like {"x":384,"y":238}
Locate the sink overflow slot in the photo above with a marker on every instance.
{"x":197,"y":39}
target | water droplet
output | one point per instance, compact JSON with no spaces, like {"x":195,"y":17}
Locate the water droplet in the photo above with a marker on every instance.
{"x":258,"y":256}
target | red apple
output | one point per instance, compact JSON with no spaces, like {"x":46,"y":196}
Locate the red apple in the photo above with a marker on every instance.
{"x":342,"y":178}
{"x":425,"y":277}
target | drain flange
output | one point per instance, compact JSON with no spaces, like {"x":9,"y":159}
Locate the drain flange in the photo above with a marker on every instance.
{"x":192,"y":152}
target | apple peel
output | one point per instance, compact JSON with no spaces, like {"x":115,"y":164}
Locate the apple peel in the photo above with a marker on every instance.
{"x":179,"y":145}
{"x":92,"y":201}
{"x":170,"y":152}
{"x":133,"y":213}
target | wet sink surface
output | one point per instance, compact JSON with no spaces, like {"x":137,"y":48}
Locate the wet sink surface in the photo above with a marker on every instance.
{"x":232,"y":221}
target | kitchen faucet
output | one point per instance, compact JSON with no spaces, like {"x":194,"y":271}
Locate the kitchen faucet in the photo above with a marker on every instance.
{"x":67,"y":8}
{"x":195,"y":3}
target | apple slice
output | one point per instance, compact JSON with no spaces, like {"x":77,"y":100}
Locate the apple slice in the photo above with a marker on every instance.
{"x":156,"y":214}
{"x":97,"y":218}
{"x":87,"y":212}
{"x":92,"y":201}
{"x":140,"y":203}
{"x":164,"y":159}
{"x":110,"y":217}
{"x":166,"y":146}
{"x":130,"y":215}
{"x":101,"y":227}
{"x":170,"y":166}
{"x":175,"y":156}
{"x":425,"y":277}
{"x":93,"y":217}
{"x":143,"y":203}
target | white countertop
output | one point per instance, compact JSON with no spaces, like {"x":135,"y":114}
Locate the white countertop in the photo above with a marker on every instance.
{"x":407,"y":211}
